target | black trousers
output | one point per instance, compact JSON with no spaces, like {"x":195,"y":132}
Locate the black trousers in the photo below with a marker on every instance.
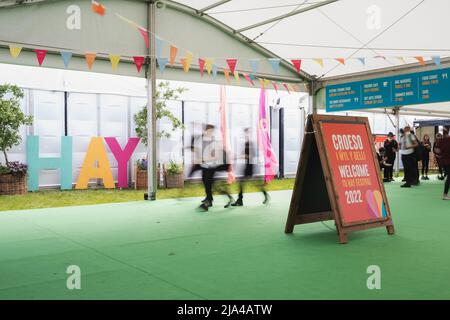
{"x":447,"y":182}
{"x":248,"y":173}
{"x":425,"y":164}
{"x":410,"y":168}
{"x":208,"y":182}
{"x":389,"y":170}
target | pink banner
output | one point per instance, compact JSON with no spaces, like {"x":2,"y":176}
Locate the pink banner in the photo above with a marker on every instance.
{"x":224,"y":130}
{"x":270,"y":158}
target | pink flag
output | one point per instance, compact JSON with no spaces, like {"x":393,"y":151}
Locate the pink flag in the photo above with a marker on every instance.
{"x":232,"y":64}
{"x":297,"y":64}
{"x":201,"y":64}
{"x":144,"y":34}
{"x":224,"y":130}
{"x":270,"y":158}
{"x":139,"y":61}
{"x":40,"y":55}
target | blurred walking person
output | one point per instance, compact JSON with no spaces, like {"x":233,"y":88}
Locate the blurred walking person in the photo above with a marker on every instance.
{"x":444,"y":153}
{"x":408,"y":143}
{"x":425,"y":147}
{"x":391,"y":148}
{"x":437,"y":156}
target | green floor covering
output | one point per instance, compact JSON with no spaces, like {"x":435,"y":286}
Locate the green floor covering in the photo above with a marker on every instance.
{"x":167,"y":250}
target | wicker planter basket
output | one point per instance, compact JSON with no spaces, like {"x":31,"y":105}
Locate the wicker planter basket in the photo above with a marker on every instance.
{"x":12,"y":185}
{"x":175,"y":180}
{"x":140,"y":182}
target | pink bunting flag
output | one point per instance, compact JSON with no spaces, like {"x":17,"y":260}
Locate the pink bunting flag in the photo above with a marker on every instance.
{"x":144,"y":35}
{"x":40,"y":55}
{"x":286,"y":87}
{"x":138,"y":61}
{"x":274,"y":84}
{"x":297,"y":64}
{"x":247,"y":77}
{"x":224,"y":130}
{"x":201,"y":64}
{"x":232,"y":64}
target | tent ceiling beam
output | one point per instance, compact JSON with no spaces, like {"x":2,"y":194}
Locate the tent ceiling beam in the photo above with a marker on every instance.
{"x":287,"y":15}
{"x":212,"y":6}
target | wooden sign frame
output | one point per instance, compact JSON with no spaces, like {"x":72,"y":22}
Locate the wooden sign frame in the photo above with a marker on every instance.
{"x":314,"y":195}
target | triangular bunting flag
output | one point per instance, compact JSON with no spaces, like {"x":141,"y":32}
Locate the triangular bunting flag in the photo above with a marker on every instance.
{"x":214,"y":71}
{"x":319,"y":61}
{"x":138,"y":61}
{"x":340,"y":60}
{"x":162,"y":63}
{"x":98,"y":8}
{"x":201,"y":65}
{"x":187,"y":61}
{"x":254,"y":64}
{"x":402,"y":60}
{"x":232,"y":64}
{"x":274,"y":84}
{"x":262,"y":83}
{"x":362,"y":60}
{"x":420,"y":59}
{"x":173,"y":54}
{"x":15,"y":51}
{"x":252,"y":76}
{"x":436,"y":60}
{"x":158,"y":46}
{"x":144,"y":35}
{"x":266,"y":83}
{"x":236,"y":76}
{"x":90,"y":58}
{"x":226,"y":72}
{"x":275,"y":63}
{"x":184,"y":64}
{"x":286,"y":87}
{"x":40,"y":55}
{"x":66,"y":56}
{"x":115,"y":59}
{"x":208,"y":65}
{"x":297,"y":64}
{"x":247,"y":77}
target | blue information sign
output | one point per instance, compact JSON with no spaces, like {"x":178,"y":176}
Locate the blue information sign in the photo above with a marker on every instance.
{"x":401,"y":90}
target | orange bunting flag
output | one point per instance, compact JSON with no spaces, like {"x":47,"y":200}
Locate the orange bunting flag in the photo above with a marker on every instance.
{"x":420,"y":59}
{"x":262,"y":83}
{"x":226,"y":72}
{"x":15,"y":51}
{"x":98,"y":8}
{"x":297,"y":64}
{"x":90,"y":58}
{"x":208,"y":65}
{"x":115,"y":59}
{"x":286,"y":87}
{"x":236,"y":76}
{"x":184,"y":64}
{"x":341,"y":60}
{"x":40,"y":55}
{"x":232,"y":64}
{"x":173,"y":54}
{"x":201,"y":65}
{"x":319,"y":61}
{"x":274,"y":84}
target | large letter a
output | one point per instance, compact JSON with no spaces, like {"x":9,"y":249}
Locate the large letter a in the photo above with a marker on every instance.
{"x":96,"y":153}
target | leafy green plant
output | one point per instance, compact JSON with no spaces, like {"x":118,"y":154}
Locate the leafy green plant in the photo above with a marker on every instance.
{"x":11,"y":118}
{"x":174,"y":168}
{"x":163,"y":94}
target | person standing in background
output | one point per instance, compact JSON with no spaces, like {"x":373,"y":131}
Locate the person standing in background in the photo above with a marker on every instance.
{"x":437,"y":156}
{"x":444,"y":152}
{"x":391,"y":148}
{"x":417,"y":158}
{"x":425,"y":146}
{"x":408,"y":143}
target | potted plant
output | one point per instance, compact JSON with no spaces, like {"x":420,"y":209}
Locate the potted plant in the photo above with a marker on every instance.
{"x":163,"y":94}
{"x":174,"y":175}
{"x":12,"y":174}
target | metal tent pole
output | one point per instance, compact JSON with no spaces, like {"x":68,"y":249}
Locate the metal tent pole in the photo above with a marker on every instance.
{"x":151,"y":104}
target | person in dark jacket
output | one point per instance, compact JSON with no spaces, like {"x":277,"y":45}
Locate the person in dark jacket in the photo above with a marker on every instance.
{"x":444,"y":153}
{"x":436,"y":151}
{"x":425,"y":147}
{"x":391,"y":148}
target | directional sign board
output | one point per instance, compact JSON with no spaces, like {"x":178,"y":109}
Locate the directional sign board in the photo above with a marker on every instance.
{"x":401,"y":90}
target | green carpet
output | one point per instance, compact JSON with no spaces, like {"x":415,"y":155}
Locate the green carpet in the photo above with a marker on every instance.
{"x":167,"y":250}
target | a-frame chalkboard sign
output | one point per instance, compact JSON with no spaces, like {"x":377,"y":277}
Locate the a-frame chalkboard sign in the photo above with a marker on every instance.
{"x":338,"y":178}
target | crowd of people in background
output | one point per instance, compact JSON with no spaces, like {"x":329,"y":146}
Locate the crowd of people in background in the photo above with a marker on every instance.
{"x":415,"y":157}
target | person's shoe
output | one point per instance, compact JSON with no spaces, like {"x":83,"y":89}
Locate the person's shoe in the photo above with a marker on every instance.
{"x":406,"y":185}
{"x":404,"y":180}
{"x":423,"y":178}
{"x":230,"y":202}
{"x":445,"y":197}
{"x":426,"y":178}
{"x":237,"y":203}
{"x":441,"y":178}
{"x":386,"y":180}
{"x":205,"y":205}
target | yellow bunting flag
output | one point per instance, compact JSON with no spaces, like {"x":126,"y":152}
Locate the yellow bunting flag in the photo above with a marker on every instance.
{"x":226,"y":72}
{"x":420,"y":59}
{"x":173,"y":54}
{"x":15,"y":51}
{"x":115,"y":59}
{"x":319,"y":61}
{"x":90,"y":58}
{"x":184,"y":64}
{"x":266,"y":83}
{"x":188,"y":61}
{"x":236,"y":76}
{"x":402,"y":60}
{"x":262,"y":83}
{"x":208,"y":65}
